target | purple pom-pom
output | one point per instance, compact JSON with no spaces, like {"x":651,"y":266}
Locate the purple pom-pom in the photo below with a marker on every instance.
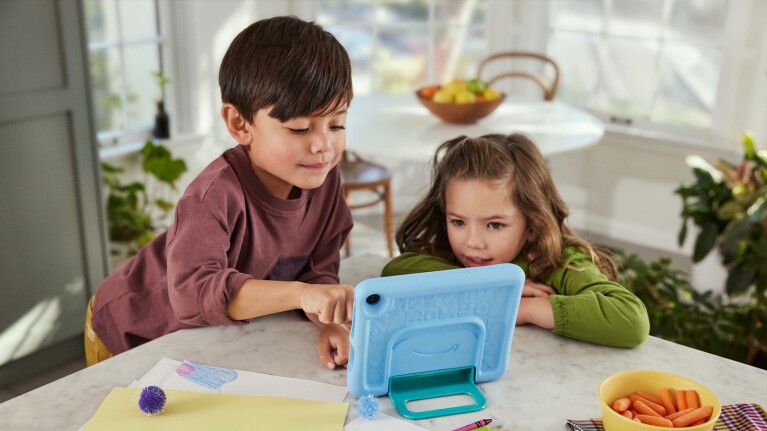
{"x":368,"y":407}
{"x":152,"y":400}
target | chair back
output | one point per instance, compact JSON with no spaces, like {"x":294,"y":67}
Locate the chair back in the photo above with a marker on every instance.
{"x":549,"y":88}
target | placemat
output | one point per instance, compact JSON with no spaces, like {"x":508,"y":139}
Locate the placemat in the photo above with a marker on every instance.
{"x":734,"y":417}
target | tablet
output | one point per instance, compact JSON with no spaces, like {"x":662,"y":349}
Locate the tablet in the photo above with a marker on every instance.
{"x":429,"y":322}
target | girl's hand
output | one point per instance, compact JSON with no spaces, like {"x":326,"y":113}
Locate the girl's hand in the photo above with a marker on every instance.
{"x":333,"y":345}
{"x":536,"y":311}
{"x":536,"y":289}
{"x":332,"y":303}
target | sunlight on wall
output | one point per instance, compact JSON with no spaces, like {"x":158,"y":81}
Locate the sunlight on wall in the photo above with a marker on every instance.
{"x":31,"y":331}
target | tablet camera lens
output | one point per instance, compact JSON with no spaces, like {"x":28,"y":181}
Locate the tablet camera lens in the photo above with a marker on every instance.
{"x":372,"y":299}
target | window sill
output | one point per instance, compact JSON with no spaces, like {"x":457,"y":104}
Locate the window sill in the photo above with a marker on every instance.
{"x":671,"y":143}
{"x":121,"y":150}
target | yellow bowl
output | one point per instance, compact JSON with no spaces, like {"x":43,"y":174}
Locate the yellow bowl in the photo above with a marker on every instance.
{"x":625,"y":383}
{"x":460,"y":113}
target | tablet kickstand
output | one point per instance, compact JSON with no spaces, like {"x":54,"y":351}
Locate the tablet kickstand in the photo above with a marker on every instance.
{"x":435,"y":384}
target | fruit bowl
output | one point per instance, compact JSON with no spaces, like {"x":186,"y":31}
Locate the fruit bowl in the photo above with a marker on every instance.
{"x":457,"y":109}
{"x":623,"y":384}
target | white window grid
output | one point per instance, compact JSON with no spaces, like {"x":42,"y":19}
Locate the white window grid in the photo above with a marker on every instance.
{"x":127,"y":135}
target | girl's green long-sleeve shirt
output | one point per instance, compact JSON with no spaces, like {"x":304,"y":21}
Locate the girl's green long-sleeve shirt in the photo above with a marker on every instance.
{"x":587,"y":306}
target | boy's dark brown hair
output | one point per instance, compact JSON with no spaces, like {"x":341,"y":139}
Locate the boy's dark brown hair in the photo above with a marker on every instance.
{"x":515,"y":161}
{"x":292,"y":64}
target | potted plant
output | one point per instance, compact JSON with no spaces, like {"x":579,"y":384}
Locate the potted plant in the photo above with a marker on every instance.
{"x":136,"y":210}
{"x":729,"y":205}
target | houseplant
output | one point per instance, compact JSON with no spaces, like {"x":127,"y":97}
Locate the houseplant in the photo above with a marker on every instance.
{"x":702,"y":320}
{"x":729,"y":205}
{"x":136,"y":210}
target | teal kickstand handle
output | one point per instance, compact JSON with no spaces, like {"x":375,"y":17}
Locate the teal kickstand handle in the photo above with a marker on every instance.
{"x":435,"y":384}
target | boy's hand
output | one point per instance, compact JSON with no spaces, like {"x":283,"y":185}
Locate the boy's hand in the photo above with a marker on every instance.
{"x":333,"y":345}
{"x":332,"y":303}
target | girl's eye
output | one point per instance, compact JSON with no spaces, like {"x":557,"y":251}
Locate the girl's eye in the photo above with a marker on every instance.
{"x":298,"y":131}
{"x":456,"y":222}
{"x":495,"y":225}
{"x":337,"y":128}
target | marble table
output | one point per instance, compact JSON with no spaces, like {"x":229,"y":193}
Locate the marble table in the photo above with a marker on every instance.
{"x":386,"y":125}
{"x":550,"y":378}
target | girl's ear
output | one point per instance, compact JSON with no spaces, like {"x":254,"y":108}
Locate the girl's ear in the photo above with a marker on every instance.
{"x":529,"y":234}
{"x":236,"y":124}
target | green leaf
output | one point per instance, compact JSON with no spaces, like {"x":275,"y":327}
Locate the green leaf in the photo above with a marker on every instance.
{"x":704,"y":177}
{"x":733,"y":238}
{"x":729,"y":210}
{"x":705,"y":241}
{"x":159,"y":162}
{"x":758,"y":211}
{"x":739,"y":279}
{"x":164,"y":205}
{"x":682,"y":233}
{"x":749,"y":147}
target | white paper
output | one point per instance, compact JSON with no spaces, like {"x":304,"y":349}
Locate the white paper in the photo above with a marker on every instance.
{"x":172,"y":374}
{"x":164,"y":374}
{"x":382,"y":422}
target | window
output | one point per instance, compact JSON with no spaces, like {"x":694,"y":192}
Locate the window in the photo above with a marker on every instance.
{"x":641,"y":62}
{"x":124,"y":46}
{"x":397,"y":46}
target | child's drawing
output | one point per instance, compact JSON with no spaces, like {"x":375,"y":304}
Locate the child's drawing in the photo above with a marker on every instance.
{"x":210,"y":377}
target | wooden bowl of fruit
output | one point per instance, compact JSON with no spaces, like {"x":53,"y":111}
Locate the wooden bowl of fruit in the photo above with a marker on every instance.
{"x":459,"y":101}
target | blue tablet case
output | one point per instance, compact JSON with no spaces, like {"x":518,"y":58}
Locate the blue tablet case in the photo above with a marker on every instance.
{"x":433,"y":334}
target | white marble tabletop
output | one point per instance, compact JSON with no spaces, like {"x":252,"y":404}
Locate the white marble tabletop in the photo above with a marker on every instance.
{"x":550,"y":378}
{"x":386,"y":125}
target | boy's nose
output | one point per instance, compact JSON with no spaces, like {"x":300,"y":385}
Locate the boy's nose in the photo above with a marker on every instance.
{"x":321,"y":143}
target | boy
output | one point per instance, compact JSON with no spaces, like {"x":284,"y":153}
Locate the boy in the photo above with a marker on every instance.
{"x":259,"y":230}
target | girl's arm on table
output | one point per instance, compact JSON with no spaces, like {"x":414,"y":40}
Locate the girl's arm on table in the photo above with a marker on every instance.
{"x":589,"y":307}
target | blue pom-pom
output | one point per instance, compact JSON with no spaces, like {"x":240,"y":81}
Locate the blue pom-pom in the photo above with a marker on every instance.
{"x":152,"y":400}
{"x":368,"y":407}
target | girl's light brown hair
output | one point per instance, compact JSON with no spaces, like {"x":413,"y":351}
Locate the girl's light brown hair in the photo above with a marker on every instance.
{"x":292,"y":64}
{"x":517,"y":162}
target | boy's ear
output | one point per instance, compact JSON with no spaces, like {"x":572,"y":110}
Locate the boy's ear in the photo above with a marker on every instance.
{"x":236,"y":124}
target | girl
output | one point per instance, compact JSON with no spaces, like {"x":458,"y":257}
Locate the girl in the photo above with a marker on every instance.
{"x":492,"y":200}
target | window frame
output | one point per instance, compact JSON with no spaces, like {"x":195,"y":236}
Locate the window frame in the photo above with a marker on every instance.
{"x":125,"y":136}
{"x":727,"y":116}
{"x":431,"y":27}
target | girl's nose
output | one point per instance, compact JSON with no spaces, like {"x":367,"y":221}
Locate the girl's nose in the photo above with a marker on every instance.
{"x":474,"y":238}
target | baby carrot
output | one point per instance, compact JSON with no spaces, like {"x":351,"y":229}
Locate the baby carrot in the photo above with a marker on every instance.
{"x":667,"y":401}
{"x":681,"y":399}
{"x":644,"y":409}
{"x":659,"y":409}
{"x":698,"y":422}
{"x":621,"y":404}
{"x":694,"y":416}
{"x":678,"y":414}
{"x":627,"y":413}
{"x":654,"y":398}
{"x":692,"y":399}
{"x":654,"y":420}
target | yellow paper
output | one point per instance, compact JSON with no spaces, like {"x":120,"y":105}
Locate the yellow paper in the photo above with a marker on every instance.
{"x":189,"y":411}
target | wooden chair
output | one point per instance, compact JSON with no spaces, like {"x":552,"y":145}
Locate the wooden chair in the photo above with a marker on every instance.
{"x":359,"y":174}
{"x":549,"y":88}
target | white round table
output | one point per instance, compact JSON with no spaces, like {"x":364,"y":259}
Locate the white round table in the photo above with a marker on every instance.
{"x":399,"y":126}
